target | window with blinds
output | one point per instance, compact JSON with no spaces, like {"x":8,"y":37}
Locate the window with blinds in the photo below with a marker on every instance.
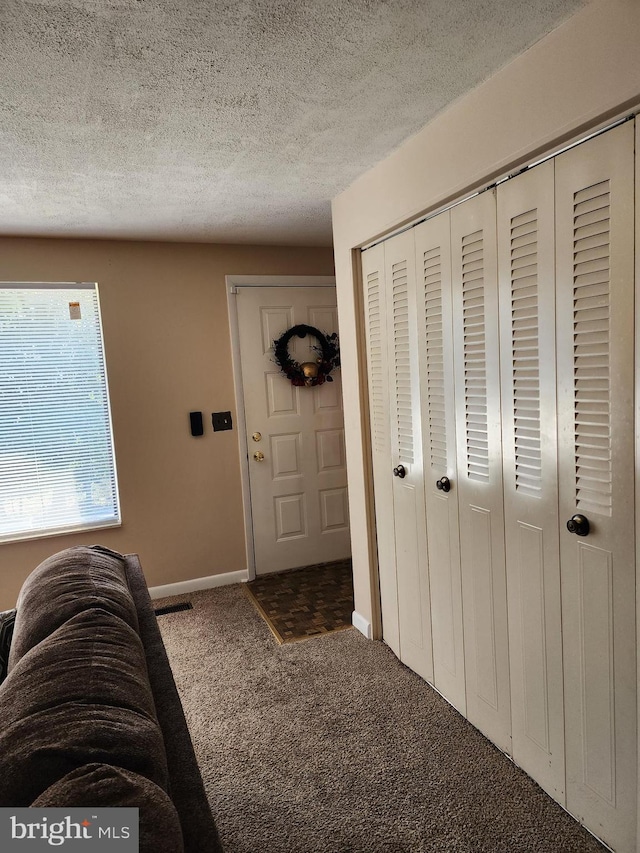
{"x":57,"y":462}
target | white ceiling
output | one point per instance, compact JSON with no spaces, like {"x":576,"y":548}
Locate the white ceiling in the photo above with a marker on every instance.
{"x":222,"y":120}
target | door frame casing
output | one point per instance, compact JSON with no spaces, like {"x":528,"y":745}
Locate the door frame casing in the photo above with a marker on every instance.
{"x":233,"y":282}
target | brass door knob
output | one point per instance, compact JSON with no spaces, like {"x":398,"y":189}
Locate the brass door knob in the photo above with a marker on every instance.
{"x":258,"y":456}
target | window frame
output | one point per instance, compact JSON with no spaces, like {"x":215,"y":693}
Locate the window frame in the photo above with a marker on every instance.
{"x":116,"y":521}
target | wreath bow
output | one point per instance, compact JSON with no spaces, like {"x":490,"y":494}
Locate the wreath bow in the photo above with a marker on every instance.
{"x":309,"y":372}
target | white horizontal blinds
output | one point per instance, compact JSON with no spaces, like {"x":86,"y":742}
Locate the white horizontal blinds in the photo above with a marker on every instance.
{"x":475,"y":365}
{"x":57,"y":467}
{"x":402,"y":363}
{"x":432,"y":280}
{"x":379,"y":415}
{"x":591,"y":348}
{"x":525,"y":352}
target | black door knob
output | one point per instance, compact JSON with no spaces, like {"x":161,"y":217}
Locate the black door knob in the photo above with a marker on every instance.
{"x":443,"y":484}
{"x":578,"y":524}
{"x":400,"y":471}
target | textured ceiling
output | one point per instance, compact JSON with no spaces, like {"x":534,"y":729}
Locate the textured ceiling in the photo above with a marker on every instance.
{"x":227,"y":120}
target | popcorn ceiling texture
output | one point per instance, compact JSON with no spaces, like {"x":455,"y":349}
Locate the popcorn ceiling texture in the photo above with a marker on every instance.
{"x":231,"y":121}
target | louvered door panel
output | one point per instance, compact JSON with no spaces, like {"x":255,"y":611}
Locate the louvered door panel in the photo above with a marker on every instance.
{"x":374,"y":299}
{"x":595,"y":346}
{"x":376,"y":340}
{"x":412,"y":565}
{"x":526,"y":264}
{"x":430,"y":263}
{"x":520,"y":236}
{"x":403,"y":409}
{"x":479,"y":480}
{"x":474,"y":348}
{"x":435,"y":349}
{"x":591,"y":356}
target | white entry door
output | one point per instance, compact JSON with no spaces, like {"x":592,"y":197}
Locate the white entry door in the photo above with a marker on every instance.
{"x":295,"y":435}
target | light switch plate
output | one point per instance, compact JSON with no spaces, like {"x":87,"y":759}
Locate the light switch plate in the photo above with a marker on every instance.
{"x":221,"y":420}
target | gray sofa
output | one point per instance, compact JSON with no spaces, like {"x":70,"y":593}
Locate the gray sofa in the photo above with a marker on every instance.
{"x":89,"y":711}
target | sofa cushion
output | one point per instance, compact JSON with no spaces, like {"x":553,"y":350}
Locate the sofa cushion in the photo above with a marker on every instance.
{"x":7,"y":622}
{"x":103,"y":785}
{"x":81,"y":695}
{"x":65,"y":584}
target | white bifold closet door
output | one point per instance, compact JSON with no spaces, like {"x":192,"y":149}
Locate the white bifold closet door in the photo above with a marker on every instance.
{"x":435,"y":357}
{"x":479,"y":466}
{"x":595,"y":364}
{"x":374,"y":299}
{"x":390,"y":282}
{"x":501,"y":352}
{"x":412,"y":564}
{"x":526,"y":263}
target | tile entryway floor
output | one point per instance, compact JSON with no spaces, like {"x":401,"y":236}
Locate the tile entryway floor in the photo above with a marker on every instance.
{"x":305,"y":602}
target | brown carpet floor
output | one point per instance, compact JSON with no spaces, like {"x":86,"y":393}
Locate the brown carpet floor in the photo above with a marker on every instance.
{"x":333,"y":746}
{"x":305,"y":602}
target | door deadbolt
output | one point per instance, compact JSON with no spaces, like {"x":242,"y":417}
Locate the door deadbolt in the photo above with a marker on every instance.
{"x":257,"y":436}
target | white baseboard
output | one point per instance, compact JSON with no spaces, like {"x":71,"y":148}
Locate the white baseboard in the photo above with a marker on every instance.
{"x":361,"y":624}
{"x":183,"y":587}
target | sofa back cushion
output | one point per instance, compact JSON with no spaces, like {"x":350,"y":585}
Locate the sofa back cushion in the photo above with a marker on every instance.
{"x":103,"y":785}
{"x":7,"y":624}
{"x":81,"y":695}
{"x":66,"y":584}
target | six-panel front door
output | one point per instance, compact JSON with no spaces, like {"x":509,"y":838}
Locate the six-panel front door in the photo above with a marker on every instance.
{"x":295,"y":435}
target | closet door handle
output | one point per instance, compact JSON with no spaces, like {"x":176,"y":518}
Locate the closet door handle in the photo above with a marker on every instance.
{"x":579,"y":524}
{"x":400,"y":471}
{"x":443,"y":484}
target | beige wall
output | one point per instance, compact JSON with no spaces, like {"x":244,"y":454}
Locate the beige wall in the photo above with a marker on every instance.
{"x":581,"y":74}
{"x":167,"y":344}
